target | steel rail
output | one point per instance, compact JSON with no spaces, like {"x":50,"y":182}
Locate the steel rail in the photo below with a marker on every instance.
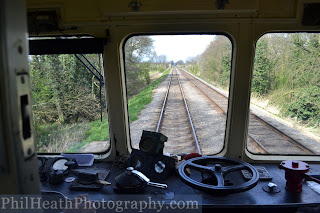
{"x":189,"y":116}
{"x":265,"y":151}
{"x":164,"y":103}
{"x":287,"y":137}
{"x":186,"y":105}
{"x":225,"y":113}
{"x":266,"y":123}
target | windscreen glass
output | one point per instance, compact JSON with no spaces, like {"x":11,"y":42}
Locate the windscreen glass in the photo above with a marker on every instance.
{"x":178,"y":85}
{"x":68,"y":102}
{"x":285,"y":98}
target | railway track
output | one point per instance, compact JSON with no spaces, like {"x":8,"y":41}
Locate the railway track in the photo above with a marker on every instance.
{"x":177,"y":124}
{"x":263,"y":137}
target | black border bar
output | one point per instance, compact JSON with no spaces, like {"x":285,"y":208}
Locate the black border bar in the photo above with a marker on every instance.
{"x":66,"y":46}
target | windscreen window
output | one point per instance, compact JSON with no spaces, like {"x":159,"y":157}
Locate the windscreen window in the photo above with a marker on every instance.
{"x":68,"y":98}
{"x":285,"y":98}
{"x":178,"y":85}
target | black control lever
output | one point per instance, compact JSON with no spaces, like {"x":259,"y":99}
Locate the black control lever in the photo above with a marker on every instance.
{"x":56,"y":177}
{"x":90,"y":178}
{"x":71,"y":164}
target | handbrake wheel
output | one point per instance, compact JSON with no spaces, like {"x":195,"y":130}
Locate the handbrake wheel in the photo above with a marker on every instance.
{"x":218,"y":172}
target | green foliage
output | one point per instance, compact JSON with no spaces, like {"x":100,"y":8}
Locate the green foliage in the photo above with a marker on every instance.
{"x":286,"y":71}
{"x":161,"y":67}
{"x":98,"y":131}
{"x":64,"y":97}
{"x":226,"y":67}
{"x":140,"y":59}
{"x":42,"y":133}
{"x":292,"y":77}
{"x":262,"y":66}
{"x":57,"y":138}
{"x":138,"y":49}
{"x":306,"y":104}
{"x":214,"y":64}
{"x":179,"y":63}
{"x":63,"y":91}
{"x":134,"y":78}
{"x":295,"y":75}
{"x":145,"y":67}
{"x":192,"y":66}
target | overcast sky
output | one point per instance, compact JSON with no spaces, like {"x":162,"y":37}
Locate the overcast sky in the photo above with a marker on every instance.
{"x":180,"y":47}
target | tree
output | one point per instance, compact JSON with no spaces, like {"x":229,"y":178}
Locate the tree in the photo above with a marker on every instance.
{"x":262,"y":66}
{"x":138,"y":49}
{"x":61,"y":90}
{"x":180,"y":62}
{"x":138,"y":55}
{"x":214,"y":64}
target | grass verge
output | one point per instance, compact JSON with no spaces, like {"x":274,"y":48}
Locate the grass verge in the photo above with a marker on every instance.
{"x":56,"y":138}
{"x":138,"y":102}
{"x":98,"y":131}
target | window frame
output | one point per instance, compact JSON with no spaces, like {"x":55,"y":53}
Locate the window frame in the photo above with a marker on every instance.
{"x":70,"y":45}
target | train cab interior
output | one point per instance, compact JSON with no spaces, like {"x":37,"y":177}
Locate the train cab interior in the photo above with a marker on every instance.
{"x":160,"y":106}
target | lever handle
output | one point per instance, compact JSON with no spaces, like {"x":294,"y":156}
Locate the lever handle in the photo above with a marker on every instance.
{"x":309,"y":177}
{"x":141,"y":176}
{"x":145,"y":179}
{"x":103,"y":182}
{"x":158,"y":185}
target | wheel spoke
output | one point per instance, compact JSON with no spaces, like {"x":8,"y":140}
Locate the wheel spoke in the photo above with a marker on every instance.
{"x":220,"y":178}
{"x":227,"y":169}
{"x":200,"y":167}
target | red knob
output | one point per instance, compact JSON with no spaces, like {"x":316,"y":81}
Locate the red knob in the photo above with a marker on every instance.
{"x":294,"y":171}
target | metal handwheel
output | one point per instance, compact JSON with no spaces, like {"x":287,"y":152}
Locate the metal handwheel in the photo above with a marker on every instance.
{"x":213,"y":168}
